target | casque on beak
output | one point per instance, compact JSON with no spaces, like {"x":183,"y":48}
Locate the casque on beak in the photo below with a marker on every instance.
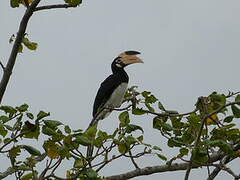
{"x":129,"y":57}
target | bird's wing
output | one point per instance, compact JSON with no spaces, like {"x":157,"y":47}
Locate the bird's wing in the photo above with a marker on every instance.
{"x":104,"y":92}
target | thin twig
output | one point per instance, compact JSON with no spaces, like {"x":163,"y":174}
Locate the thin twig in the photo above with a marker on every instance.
{"x":54,"y":6}
{"x":2,"y":65}
{"x":119,"y":109}
{"x":133,"y":161}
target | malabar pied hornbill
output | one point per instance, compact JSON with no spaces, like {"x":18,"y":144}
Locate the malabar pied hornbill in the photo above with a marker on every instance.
{"x":112,"y":90}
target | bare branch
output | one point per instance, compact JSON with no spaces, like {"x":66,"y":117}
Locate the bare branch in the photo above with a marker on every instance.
{"x":2,"y":65}
{"x":215,"y":172}
{"x":133,"y":161}
{"x":54,"y":6}
{"x":12,"y":58}
{"x":163,"y":168}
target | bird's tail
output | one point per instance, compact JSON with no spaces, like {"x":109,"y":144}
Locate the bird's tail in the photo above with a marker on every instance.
{"x":89,"y":154}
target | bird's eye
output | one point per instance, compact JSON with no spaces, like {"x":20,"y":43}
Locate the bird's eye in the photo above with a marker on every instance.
{"x":118,"y":61}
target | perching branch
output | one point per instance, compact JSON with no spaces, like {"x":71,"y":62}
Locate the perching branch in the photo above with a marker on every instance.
{"x":12,"y":58}
{"x":54,"y":6}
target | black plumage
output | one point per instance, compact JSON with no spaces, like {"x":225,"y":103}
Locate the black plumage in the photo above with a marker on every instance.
{"x":108,"y":86}
{"x":112,"y":89}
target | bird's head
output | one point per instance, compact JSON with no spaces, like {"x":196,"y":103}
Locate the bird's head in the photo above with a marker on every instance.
{"x":126,"y":58}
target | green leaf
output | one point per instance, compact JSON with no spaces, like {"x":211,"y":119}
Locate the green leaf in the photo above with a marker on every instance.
{"x":79,"y":163}
{"x":151,"y":109}
{"x":4,"y":119}
{"x":228,"y":119}
{"x":157,"y":123}
{"x":160,"y":106}
{"x":157,"y":148}
{"x":52,"y":123}
{"x":171,"y":112}
{"x":162,"y":157}
{"x":124,"y":119}
{"x":8,"y":110}
{"x":131,"y":127}
{"x":3,"y":131}
{"x":30,"y":130}
{"x":200,"y":155}
{"x":194,"y":120}
{"x":20,"y":48}
{"x":172,"y":142}
{"x":31,"y":150}
{"x":28,"y":176}
{"x":184,"y":151}
{"x":73,"y":2}
{"x":91,"y":132}
{"x":6,"y":140}
{"x":167,"y":127}
{"x":151,"y":99}
{"x":14,"y":3}
{"x":217,"y":100}
{"x":22,"y":108}
{"x":223,"y":145}
{"x":102,"y":134}
{"x":145,"y":93}
{"x":138,"y":111}
{"x":140,"y":138}
{"x":237,"y":99}
{"x":83,"y":140}
{"x":236,"y":111}
{"x":67,"y":129}
{"x":30,"y":45}
{"x":14,"y":151}
{"x":30,"y":115}
{"x":228,"y":126}
{"x":122,"y":148}
{"x":91,"y":174}
{"x":42,"y":115}
{"x":130,"y":140}
{"x":10,"y":128}
{"x":48,"y":131}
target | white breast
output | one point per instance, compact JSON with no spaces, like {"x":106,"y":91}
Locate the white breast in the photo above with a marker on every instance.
{"x":114,"y":101}
{"x":117,"y":96}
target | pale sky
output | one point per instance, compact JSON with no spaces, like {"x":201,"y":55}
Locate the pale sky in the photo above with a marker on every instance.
{"x":190,"y":49}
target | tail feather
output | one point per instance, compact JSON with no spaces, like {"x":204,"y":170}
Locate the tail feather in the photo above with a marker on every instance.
{"x":100,"y":115}
{"x":94,"y":122}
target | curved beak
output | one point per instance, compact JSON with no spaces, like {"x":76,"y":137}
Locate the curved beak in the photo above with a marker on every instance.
{"x":131,"y":59}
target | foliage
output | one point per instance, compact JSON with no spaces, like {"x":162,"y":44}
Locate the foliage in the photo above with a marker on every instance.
{"x":183,"y":132}
{"x":208,"y":131}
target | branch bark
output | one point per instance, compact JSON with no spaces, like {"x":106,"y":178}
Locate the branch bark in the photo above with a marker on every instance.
{"x":12,"y":58}
{"x":54,"y":6}
{"x":164,"y":168}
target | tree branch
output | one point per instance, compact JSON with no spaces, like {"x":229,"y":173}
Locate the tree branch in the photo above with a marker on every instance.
{"x":12,"y":58}
{"x":54,"y":6}
{"x":224,"y":161}
{"x":164,"y":168}
{"x":204,"y":116}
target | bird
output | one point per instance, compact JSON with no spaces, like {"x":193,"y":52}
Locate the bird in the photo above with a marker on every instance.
{"x":111,"y":93}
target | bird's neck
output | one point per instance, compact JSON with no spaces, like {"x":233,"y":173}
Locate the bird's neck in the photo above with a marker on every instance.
{"x":121,"y":72}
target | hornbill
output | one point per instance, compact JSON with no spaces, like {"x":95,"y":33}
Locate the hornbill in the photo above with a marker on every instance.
{"x":112,"y":90}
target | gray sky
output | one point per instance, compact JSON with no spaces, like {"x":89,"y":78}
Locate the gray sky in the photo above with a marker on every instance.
{"x":190,"y":49}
